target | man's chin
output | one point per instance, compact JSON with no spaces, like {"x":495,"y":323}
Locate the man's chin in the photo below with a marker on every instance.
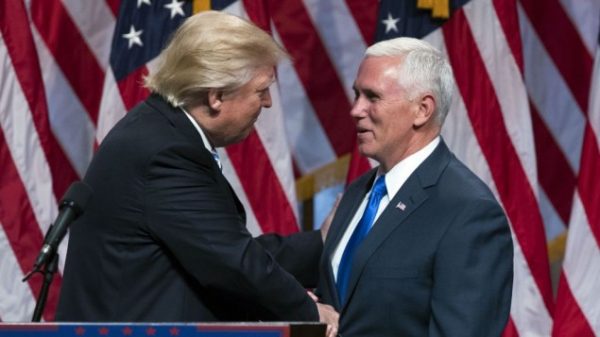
{"x":365,"y":150}
{"x":239,"y":138}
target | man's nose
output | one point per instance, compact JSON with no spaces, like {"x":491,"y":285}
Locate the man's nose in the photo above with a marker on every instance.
{"x":266,"y":101}
{"x":358,"y":108}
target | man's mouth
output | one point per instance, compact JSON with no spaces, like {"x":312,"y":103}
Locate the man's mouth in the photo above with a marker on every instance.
{"x":361,"y":130}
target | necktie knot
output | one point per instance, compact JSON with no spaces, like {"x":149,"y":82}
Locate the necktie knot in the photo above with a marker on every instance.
{"x":377,"y":192}
{"x":379,"y":189}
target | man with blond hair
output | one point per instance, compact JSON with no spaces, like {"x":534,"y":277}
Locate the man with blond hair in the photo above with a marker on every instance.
{"x":164,"y":237}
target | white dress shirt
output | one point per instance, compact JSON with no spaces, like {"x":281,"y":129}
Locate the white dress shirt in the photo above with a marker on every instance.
{"x":205,"y":141}
{"x":394,"y":180}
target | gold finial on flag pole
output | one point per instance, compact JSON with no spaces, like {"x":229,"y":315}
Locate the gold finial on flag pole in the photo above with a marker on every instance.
{"x":440,"y":9}
{"x":201,"y":5}
{"x":425,"y":4}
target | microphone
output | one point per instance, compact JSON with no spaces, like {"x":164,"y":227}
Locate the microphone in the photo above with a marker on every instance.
{"x":70,"y":208}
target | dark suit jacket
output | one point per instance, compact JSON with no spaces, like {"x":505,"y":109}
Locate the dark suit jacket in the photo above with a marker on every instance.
{"x":163,"y":237}
{"x":440,"y":267}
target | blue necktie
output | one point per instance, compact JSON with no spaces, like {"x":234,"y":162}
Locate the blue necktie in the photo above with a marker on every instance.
{"x":360,"y":232}
{"x":216,"y":158}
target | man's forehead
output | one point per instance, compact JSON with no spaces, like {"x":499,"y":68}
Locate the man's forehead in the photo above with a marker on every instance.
{"x":264,"y":76}
{"x":266,"y":81}
{"x":377,"y":70}
{"x":383,"y":60}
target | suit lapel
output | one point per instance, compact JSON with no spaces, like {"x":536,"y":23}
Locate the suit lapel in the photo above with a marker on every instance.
{"x":181,"y":122}
{"x":347,"y":209}
{"x":352,"y":199}
{"x":410,"y":196}
{"x":176,"y":117}
{"x":236,"y":200}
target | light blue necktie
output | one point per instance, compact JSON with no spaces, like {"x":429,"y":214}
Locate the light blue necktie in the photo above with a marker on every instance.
{"x":216,"y":158}
{"x":360,"y":232}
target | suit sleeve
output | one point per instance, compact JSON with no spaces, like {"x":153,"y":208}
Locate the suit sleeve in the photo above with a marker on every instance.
{"x":298,"y":254}
{"x":473,"y":272}
{"x":196,"y":219}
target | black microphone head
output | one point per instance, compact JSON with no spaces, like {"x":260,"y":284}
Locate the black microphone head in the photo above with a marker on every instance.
{"x":77,"y":196}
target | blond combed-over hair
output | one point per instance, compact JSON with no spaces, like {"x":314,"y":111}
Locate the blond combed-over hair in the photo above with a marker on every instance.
{"x":211,"y":50}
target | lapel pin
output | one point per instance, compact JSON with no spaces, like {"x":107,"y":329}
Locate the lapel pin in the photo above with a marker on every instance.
{"x":401,"y":206}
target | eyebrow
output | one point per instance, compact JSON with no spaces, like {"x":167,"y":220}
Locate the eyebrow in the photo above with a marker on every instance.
{"x":367,"y":92}
{"x":266,"y":85}
{"x":370,"y":93}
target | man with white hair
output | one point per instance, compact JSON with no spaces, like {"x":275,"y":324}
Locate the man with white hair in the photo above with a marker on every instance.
{"x":164,"y":237}
{"x":418,"y":246}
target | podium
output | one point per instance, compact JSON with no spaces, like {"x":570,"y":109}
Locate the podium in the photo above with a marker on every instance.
{"x":288,"y":329}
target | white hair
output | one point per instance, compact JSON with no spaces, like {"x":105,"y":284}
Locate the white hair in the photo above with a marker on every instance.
{"x":424,"y":68}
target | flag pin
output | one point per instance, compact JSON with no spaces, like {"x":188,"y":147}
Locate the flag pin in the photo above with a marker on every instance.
{"x":401,"y":206}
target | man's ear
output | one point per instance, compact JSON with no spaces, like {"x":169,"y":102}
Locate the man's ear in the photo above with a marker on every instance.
{"x":215,"y":99}
{"x":425,"y":110}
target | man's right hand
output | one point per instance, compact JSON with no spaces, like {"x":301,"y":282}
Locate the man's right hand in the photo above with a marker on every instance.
{"x":328,"y":315}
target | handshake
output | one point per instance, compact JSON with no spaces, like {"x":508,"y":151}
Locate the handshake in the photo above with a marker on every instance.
{"x":328,"y":315}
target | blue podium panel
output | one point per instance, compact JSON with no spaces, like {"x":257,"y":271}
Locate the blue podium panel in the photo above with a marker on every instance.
{"x":162,"y":329}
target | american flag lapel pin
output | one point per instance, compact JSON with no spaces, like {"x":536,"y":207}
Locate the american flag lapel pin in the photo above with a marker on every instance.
{"x":401,"y":206}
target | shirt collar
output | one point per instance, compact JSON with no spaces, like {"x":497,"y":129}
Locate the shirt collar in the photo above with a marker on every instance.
{"x":397,"y":176}
{"x":205,"y":141}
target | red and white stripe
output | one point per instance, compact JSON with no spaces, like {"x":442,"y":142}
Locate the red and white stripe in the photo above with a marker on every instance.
{"x":578,"y":312}
{"x":27,"y":192}
{"x":317,"y":92}
{"x":495,"y":100}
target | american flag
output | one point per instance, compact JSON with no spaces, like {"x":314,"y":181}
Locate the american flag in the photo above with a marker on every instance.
{"x":526,"y":120}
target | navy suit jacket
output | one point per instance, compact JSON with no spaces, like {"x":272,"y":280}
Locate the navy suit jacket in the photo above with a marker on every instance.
{"x":164,"y":237}
{"x":442,"y":265}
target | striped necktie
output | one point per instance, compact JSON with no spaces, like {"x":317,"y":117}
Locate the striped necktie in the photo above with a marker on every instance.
{"x":216,"y":158}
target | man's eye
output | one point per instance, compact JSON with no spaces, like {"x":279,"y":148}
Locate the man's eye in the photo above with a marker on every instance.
{"x":372,"y":98}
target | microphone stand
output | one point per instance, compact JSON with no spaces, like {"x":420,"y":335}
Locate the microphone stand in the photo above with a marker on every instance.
{"x":47,"y":269}
{"x":70,"y":207}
